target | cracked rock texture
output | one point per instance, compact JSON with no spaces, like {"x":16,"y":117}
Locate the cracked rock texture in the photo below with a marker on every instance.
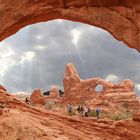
{"x":119,"y":17}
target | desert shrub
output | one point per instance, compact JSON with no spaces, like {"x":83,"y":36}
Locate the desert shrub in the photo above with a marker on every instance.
{"x":49,"y":104}
{"x":73,"y":113}
{"x":105,"y":114}
{"x":93,"y":113}
{"x":122,"y":116}
{"x":58,"y":106}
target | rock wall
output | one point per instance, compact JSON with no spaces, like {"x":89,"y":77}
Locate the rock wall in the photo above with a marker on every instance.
{"x":119,"y":17}
{"x":54,"y":95}
{"x":37,"y":97}
{"x":83,"y":91}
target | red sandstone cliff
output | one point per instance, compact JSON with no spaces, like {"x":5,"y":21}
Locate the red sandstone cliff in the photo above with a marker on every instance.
{"x":113,"y":96}
{"x":119,"y":17}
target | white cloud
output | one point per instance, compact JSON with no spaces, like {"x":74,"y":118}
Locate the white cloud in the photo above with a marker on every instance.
{"x":137,"y":86}
{"x":5,"y":50}
{"x":6,"y":55}
{"x":28,"y":56}
{"x":76,"y":35}
{"x":40,"y":47}
{"x":112,"y":78}
{"x":39,"y":37}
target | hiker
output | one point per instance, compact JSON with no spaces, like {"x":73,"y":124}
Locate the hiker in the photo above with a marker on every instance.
{"x":86,"y":111}
{"x":79,"y":109}
{"x":4,"y":105}
{"x":82,"y":111}
{"x":97,"y":112}
{"x":27,"y":100}
{"x":69,"y":108}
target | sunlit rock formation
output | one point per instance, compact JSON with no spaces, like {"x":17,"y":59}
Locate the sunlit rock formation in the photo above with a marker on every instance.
{"x":37,"y":97}
{"x":54,"y":95}
{"x":112,"y":95}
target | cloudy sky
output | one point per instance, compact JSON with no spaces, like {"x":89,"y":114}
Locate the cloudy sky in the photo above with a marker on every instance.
{"x":35,"y":57}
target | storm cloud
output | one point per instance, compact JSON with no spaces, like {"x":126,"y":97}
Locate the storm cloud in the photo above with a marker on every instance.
{"x":36,"y":56}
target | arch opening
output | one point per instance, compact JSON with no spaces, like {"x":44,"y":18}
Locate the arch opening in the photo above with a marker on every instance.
{"x":99,"y":88}
{"x":77,"y":37}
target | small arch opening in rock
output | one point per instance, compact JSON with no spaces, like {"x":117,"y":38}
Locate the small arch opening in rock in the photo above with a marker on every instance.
{"x":99,"y":88}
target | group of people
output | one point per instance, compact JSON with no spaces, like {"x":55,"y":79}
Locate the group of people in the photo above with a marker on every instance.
{"x":83,"y":111}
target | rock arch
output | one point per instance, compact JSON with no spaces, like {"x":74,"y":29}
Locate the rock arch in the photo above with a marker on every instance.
{"x":119,"y":17}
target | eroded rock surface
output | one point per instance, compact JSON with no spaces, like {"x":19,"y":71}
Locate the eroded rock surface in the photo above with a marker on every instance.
{"x":35,"y":123}
{"x":113,"y":96}
{"x":54,"y":95}
{"x":37,"y":97}
{"x":120,"y":18}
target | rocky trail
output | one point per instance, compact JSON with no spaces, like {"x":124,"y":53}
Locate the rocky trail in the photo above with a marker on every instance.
{"x":30,"y":123}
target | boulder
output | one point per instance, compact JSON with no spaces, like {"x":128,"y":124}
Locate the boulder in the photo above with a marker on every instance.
{"x":54,"y":92}
{"x":136,"y":117}
{"x":37,"y":97}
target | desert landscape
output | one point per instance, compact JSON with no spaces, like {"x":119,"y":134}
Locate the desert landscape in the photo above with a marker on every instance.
{"x":111,"y":112}
{"x":46,"y":116}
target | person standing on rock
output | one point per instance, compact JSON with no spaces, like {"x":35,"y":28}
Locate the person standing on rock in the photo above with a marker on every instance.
{"x":27,"y":101}
{"x":82,"y":111}
{"x":97,"y":112}
{"x":86,"y":111}
{"x":69,"y":108}
{"x":79,"y":109}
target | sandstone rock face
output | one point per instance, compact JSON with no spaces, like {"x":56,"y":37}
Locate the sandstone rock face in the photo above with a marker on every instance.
{"x":71,"y":77}
{"x":54,"y":95}
{"x":35,"y":123}
{"x":1,"y":111}
{"x":120,"y":18}
{"x":136,"y":117}
{"x":112,"y":96}
{"x":37,"y":97}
